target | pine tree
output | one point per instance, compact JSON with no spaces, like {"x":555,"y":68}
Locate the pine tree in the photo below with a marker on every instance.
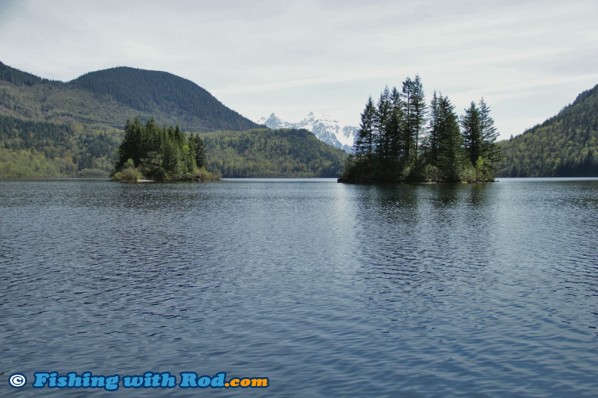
{"x":489,"y":134}
{"x":394,"y":127}
{"x":130,"y":147}
{"x":415,"y":116}
{"x":200,"y":152}
{"x":432,"y":140}
{"x":419,"y":112}
{"x":472,"y":133}
{"x":449,"y":140}
{"x":381,"y":122}
{"x":364,"y":144}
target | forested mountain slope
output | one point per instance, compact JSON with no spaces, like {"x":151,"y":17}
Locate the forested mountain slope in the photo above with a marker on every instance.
{"x":565,"y":145}
{"x":110,"y":97}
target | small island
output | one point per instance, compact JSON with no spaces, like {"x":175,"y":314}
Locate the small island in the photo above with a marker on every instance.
{"x":401,"y":139}
{"x":152,"y":153}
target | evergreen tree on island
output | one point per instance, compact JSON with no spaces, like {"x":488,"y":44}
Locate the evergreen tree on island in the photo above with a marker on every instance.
{"x":394,"y":145}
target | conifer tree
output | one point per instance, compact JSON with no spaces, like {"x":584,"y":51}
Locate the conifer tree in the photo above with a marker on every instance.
{"x":381,"y":122}
{"x":489,"y":134}
{"x":415,"y":115}
{"x":200,"y":152}
{"x":430,"y":148}
{"x":449,"y":140}
{"x":129,"y":149}
{"x":472,"y":133}
{"x":364,"y":145}
{"x":394,"y":126}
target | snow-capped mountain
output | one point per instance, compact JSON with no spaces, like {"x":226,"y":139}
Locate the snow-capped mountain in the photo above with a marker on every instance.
{"x":323,"y":127}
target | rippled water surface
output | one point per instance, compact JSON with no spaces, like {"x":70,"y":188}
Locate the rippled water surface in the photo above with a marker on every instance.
{"x":326,"y":289}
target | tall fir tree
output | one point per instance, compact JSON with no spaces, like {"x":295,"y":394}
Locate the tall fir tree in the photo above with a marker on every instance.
{"x":432,"y":140}
{"x":199,"y":151}
{"x":414,"y":103}
{"x":364,"y":144}
{"x":450,"y":156}
{"x":381,"y":122}
{"x":471,"y":124}
{"x":489,"y":134}
{"x":130,"y":147}
{"x":394,"y":127}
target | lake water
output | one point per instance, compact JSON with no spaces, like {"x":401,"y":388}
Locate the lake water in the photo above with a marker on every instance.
{"x":326,"y":289}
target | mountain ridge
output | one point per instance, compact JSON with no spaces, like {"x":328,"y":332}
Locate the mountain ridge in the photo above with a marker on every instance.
{"x":110,"y":96}
{"x":18,"y":77}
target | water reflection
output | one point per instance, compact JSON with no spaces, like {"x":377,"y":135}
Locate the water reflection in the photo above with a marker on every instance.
{"x":420,"y":238}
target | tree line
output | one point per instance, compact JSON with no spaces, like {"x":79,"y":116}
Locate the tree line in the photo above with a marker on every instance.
{"x":402,"y":138}
{"x":160,"y":154}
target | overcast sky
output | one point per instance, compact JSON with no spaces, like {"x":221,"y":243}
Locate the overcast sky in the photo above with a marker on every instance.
{"x":527,"y":59}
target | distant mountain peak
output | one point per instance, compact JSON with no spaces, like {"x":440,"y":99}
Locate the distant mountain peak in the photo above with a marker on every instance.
{"x":322,"y":126}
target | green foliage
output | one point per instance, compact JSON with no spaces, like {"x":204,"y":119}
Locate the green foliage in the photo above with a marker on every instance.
{"x":32,"y":164}
{"x":429,"y":172}
{"x":272,"y":153}
{"x":390,"y":148}
{"x":565,"y":145}
{"x":161,"y":154}
{"x":204,"y":175}
{"x":128,"y":173}
{"x":66,"y":150}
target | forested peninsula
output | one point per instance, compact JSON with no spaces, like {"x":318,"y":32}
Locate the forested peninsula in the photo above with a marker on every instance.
{"x":403,"y":139}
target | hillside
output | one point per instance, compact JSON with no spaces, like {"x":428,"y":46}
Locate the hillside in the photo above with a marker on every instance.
{"x":272,"y":153}
{"x":108,"y":98}
{"x":165,"y":96}
{"x":565,"y":145}
{"x":30,"y":149}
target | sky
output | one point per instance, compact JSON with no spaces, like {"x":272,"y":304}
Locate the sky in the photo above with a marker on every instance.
{"x":526,"y":58}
